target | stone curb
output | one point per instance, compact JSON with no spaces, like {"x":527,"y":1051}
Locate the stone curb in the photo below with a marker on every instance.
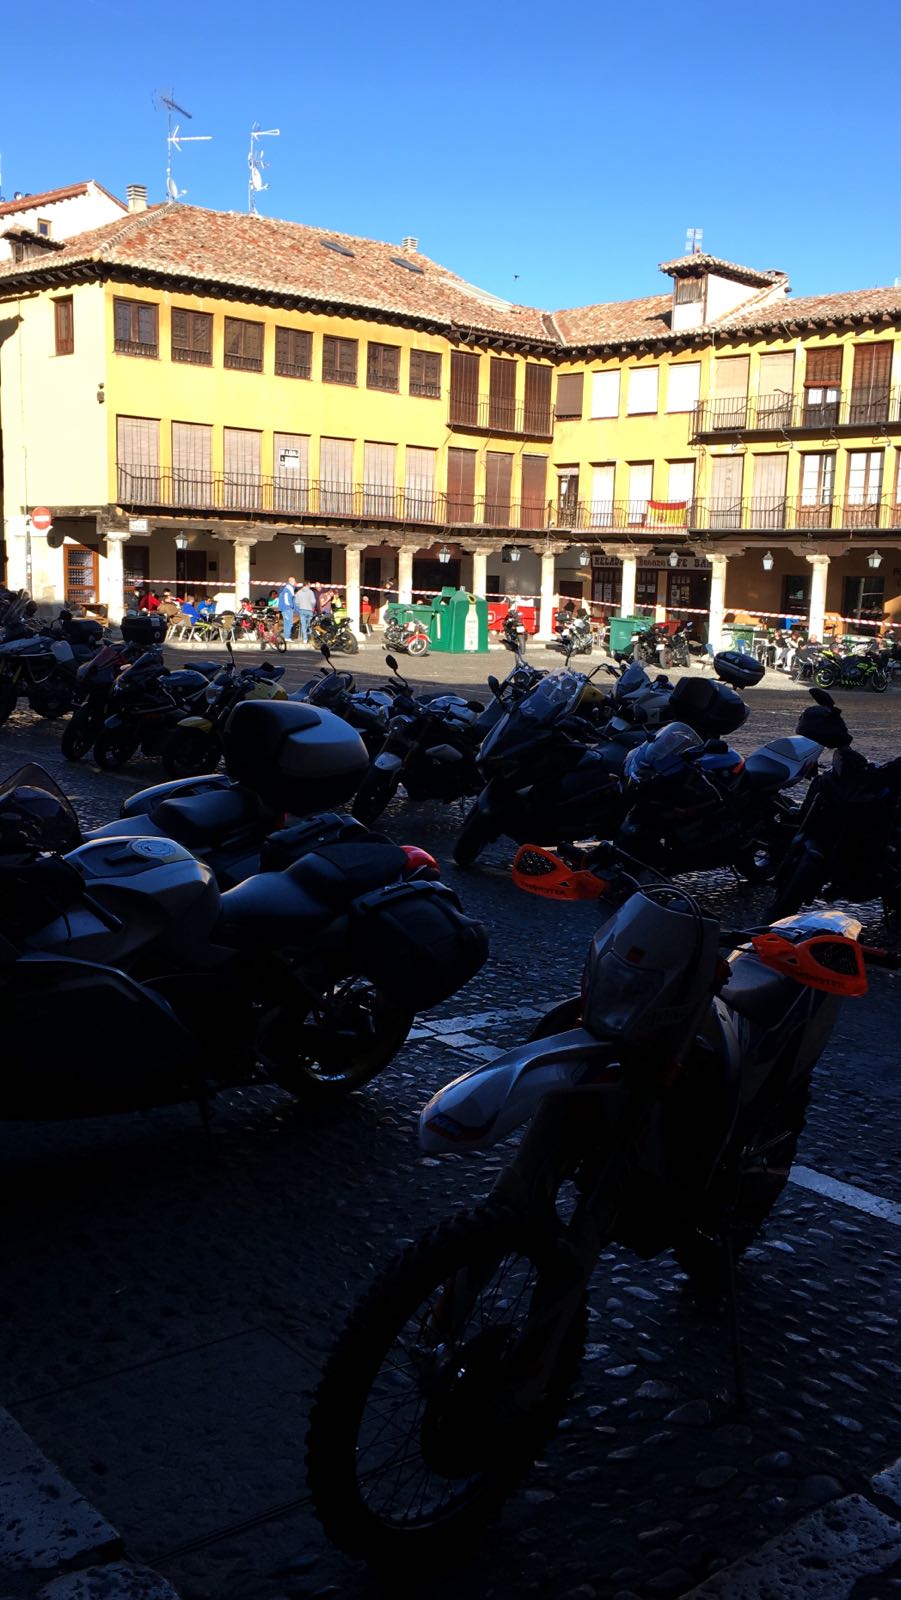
{"x":47,"y":1528}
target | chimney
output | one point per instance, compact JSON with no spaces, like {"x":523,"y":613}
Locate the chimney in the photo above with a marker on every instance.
{"x":136,"y":194}
{"x":409,"y":243}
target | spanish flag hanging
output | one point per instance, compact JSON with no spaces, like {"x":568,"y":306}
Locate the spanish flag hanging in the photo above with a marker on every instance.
{"x":667,"y":514}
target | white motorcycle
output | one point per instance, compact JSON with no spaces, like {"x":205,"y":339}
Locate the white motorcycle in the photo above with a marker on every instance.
{"x":662,"y":1110}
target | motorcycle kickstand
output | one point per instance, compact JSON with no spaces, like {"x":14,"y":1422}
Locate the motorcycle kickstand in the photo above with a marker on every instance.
{"x":738,"y":1364}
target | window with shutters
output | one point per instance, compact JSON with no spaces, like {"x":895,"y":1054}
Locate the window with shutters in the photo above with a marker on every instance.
{"x":569,"y":395}
{"x":138,"y":459}
{"x":339,"y":360}
{"x":730,"y":387}
{"x":419,"y":483}
{"x":533,"y":508}
{"x":243,"y":345}
{"x":871,"y":382}
{"x":683,"y":386}
{"x":775,"y":389}
{"x":641,"y":486}
{"x":864,"y":491}
{"x":817,"y":489}
{"x":567,"y":497}
{"x":64,"y":326}
{"x":605,"y":394}
{"x":192,"y":337}
{"x":293,"y":353}
{"x":464,"y":389}
{"x":425,"y":374}
{"x":864,"y":598}
{"x":242,"y":485}
{"x":383,"y":367}
{"x":498,"y":482}
{"x":681,"y":486}
{"x":822,"y":387}
{"x":135,"y":328}
{"x":603,"y":478}
{"x":768,"y":481}
{"x":643,"y":391}
{"x":336,"y":475}
{"x":726,"y":491}
{"x":379,"y":468}
{"x":192,"y":464}
{"x":290,"y":472}
{"x":461,"y":485}
{"x":537,"y":408}
{"x":502,"y":394}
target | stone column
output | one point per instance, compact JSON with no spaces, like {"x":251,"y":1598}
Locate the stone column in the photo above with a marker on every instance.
{"x":627,"y":593}
{"x":115,"y":576}
{"x":548,"y":596}
{"x":718,"y":565}
{"x":816,"y":624}
{"x":405,"y":575}
{"x":352,"y":553}
{"x":16,"y":553}
{"x":480,"y":554}
{"x":242,"y":549}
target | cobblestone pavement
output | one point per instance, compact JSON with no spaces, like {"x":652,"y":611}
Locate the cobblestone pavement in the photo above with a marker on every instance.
{"x":167,"y":1302}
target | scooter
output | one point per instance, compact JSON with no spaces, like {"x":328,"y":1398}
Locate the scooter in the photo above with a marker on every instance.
{"x":661,"y":1109}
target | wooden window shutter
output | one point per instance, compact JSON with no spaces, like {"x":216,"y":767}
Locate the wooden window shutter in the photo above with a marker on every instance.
{"x":419,"y":483}
{"x":138,"y":457}
{"x":464,"y":395}
{"x":293,"y":353}
{"x":725,"y":492}
{"x":823,"y":368}
{"x":192,"y":463}
{"x":461,"y":484}
{"x":192,"y":336}
{"x":569,"y":394}
{"x":383,"y":366}
{"x":498,"y":481}
{"x":537,"y":418}
{"x":768,"y":491}
{"x":336,"y":475}
{"x":339,"y":360}
{"x":534,"y":487}
{"x":379,"y":467}
{"x":871,"y":382}
{"x":502,"y":394}
{"x":775,"y":389}
{"x":241,"y":451}
{"x":243,"y":344}
{"x":425,"y":373}
{"x":64,"y":326}
{"x":290,"y":471}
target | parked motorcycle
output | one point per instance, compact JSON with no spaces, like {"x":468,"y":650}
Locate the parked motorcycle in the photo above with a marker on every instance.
{"x":39,"y":661}
{"x":367,"y":710}
{"x":94,"y":680}
{"x":574,"y":637}
{"x":408,"y":636}
{"x":835,"y":671}
{"x":847,"y":844}
{"x":145,"y":703}
{"x":195,"y":744}
{"x":662,"y":1109}
{"x":428,"y":747}
{"x":514,"y":631}
{"x":314,"y":973}
{"x":339,"y":636}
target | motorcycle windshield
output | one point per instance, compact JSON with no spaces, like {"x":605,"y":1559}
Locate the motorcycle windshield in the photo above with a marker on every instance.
{"x":555,"y":697}
{"x":39,"y":816}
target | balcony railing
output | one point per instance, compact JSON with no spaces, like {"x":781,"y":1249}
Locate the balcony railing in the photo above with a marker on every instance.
{"x":199,"y":491}
{"x":484,"y":414}
{"x":815,"y":410}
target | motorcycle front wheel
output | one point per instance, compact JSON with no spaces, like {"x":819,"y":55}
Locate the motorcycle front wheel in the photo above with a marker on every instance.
{"x":190,"y":752}
{"x":113,"y":747}
{"x":425,"y":1419}
{"x":878,"y":681}
{"x":418,"y":646}
{"x":79,"y":733}
{"x":346,"y":642}
{"x":375,"y":792}
{"x":475,"y":833}
{"x":349,"y":1034}
{"x":825,"y":677}
{"x":8,"y":699}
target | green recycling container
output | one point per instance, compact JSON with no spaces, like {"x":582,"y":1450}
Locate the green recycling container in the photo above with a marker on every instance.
{"x":400,"y":611}
{"x":622,"y":629}
{"x":458,"y":622}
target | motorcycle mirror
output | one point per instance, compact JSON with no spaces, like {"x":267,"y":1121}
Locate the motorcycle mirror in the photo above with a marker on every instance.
{"x":822,"y":698}
{"x":493,"y":683}
{"x":30,"y":609}
{"x":609,"y":667}
{"x":391,"y":662}
{"x":325,"y":652}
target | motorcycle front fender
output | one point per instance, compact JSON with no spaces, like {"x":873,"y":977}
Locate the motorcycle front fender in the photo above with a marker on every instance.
{"x":112,"y":724}
{"x":202,"y":723}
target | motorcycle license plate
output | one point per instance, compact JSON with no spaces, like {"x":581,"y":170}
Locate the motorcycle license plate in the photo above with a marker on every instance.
{"x":387,"y":762}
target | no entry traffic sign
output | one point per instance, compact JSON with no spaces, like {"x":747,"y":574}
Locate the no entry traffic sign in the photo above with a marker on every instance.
{"x":41,"y":519}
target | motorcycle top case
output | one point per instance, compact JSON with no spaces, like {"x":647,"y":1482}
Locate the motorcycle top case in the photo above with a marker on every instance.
{"x":147,"y":629}
{"x":83,"y":630}
{"x":738,"y":669}
{"x":298,"y":757}
{"x":416,"y":943}
{"x":711,"y":709}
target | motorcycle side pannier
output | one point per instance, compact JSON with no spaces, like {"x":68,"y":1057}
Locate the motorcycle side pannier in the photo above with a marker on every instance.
{"x":741,"y":671}
{"x":146,"y":629}
{"x":298,"y":757}
{"x":712,"y":709}
{"x":416,"y":943}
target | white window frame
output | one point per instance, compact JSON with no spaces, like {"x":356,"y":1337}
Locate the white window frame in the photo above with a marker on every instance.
{"x":681,"y":368}
{"x":640,"y":379}
{"x":605,"y":393}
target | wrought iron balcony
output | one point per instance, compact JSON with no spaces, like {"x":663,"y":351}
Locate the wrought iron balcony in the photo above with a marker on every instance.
{"x":486,"y":414}
{"x":815,"y":410}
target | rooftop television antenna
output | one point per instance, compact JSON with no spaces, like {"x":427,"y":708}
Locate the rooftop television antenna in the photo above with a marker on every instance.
{"x":256,"y":164}
{"x":175,"y":138}
{"x":694,"y":241}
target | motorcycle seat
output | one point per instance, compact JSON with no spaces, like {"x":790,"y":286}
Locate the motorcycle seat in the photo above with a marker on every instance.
{"x":338,"y":873}
{"x":293,"y":905}
{"x":209,"y":819}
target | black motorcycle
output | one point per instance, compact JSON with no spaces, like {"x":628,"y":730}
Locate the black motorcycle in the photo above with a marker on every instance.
{"x":339,"y":636}
{"x":195,"y":744}
{"x":367,"y":710}
{"x":836,"y":671}
{"x":514,"y":632}
{"x":145,"y":703}
{"x":39,"y":661}
{"x":94,"y":680}
{"x":848,"y":842}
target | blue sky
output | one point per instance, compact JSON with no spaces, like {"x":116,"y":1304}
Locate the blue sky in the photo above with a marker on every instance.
{"x":555,"y":157}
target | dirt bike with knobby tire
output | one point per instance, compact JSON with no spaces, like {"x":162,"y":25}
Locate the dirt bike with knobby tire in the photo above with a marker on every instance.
{"x":640,"y":1131}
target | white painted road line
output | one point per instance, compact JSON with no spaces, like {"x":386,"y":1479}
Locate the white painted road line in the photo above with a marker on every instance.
{"x":848,"y":1194}
{"x":822,"y":1557}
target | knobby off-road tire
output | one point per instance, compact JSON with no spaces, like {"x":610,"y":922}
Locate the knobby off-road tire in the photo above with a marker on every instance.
{"x":402,"y":1395}
{"x":750,"y":1189}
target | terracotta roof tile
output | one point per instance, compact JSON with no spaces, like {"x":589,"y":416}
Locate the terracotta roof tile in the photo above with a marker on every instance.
{"x":270,"y":257}
{"x":689,"y":266}
{"x":49,"y":197}
{"x":818,"y":307}
{"x":615,"y":320}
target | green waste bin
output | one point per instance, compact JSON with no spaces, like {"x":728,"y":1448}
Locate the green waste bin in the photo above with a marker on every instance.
{"x":458,"y":622}
{"x":622,"y":629}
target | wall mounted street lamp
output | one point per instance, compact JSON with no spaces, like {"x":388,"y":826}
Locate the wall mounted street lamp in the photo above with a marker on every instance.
{"x":769,"y":561}
{"x":673,"y":558}
{"x":584,"y":558}
{"x":299,"y":547}
{"x":515,"y":552}
{"x":444,"y":555}
{"x":181,"y":541}
{"x":874,"y":560}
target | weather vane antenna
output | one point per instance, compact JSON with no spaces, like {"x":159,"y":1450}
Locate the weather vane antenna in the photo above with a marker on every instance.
{"x":256,"y":164}
{"x":694,"y":241}
{"x":175,"y":138}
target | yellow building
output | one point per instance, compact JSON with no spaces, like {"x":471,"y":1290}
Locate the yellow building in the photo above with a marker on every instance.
{"x":221,"y":401}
